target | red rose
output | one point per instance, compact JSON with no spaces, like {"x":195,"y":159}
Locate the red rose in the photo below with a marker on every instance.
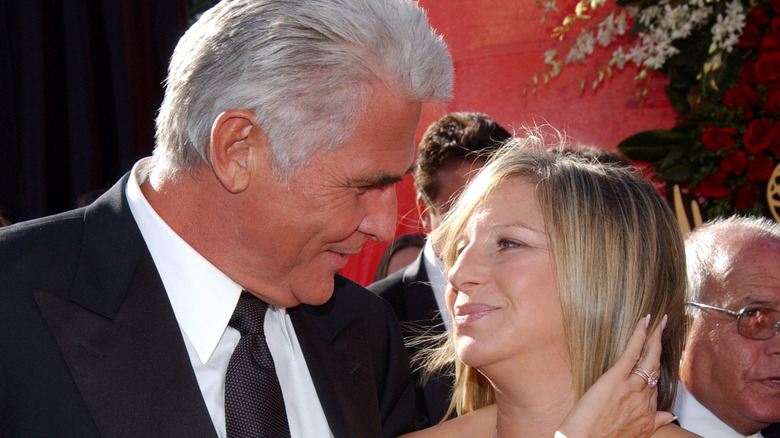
{"x":775,"y":25}
{"x":775,"y":146}
{"x":743,"y":97}
{"x":751,"y":36}
{"x":767,"y":67}
{"x":775,"y":4}
{"x":770,"y":42}
{"x":760,"y":168}
{"x":758,"y":135}
{"x":734,"y":163}
{"x":758,"y":15}
{"x":747,"y":76}
{"x":771,"y":105}
{"x":715,"y":138}
{"x":747,"y":195}
{"x":714,"y":186}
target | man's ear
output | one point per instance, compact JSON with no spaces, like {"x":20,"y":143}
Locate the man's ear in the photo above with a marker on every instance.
{"x":424,"y":212}
{"x":235,"y":142}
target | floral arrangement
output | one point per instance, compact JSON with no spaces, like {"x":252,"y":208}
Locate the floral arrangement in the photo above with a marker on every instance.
{"x":722,"y":61}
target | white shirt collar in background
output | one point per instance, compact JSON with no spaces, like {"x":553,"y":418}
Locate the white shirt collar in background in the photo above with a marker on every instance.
{"x":699,"y":420}
{"x":435,"y":270}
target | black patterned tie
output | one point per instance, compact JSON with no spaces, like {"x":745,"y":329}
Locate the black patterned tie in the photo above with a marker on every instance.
{"x":254,"y":406}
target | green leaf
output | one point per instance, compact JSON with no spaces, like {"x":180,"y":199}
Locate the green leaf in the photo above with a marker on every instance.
{"x":678,"y":97}
{"x":675,"y":167}
{"x":653,"y":145}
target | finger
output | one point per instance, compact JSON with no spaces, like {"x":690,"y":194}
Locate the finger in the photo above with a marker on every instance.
{"x":652,"y":354}
{"x":662,"y":418}
{"x":651,"y":359}
{"x":633,"y":351}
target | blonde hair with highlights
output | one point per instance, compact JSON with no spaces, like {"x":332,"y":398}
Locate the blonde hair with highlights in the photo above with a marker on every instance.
{"x":618,"y":253}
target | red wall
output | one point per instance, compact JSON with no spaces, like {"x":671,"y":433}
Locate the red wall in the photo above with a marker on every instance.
{"x":497,"y":47}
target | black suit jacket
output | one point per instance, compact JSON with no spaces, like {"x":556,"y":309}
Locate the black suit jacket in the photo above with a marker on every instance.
{"x":90,"y":345}
{"x":772,"y":431}
{"x":410,"y":294}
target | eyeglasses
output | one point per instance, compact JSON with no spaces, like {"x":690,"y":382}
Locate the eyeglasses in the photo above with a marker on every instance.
{"x":753,"y":322}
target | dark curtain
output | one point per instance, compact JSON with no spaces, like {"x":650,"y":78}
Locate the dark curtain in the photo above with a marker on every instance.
{"x":81,"y":81}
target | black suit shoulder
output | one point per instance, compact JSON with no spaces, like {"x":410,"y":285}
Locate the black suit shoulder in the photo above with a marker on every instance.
{"x":37,"y":250}
{"x":391,"y":289}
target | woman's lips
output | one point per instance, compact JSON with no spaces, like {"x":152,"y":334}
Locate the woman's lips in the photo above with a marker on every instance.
{"x":468,"y":313}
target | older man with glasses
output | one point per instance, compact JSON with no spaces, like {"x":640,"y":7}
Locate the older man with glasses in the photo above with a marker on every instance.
{"x":730,"y":370}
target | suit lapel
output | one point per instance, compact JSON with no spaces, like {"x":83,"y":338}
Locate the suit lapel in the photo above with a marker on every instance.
{"x":119,"y":337}
{"x":420,"y":302}
{"x":426,"y":320}
{"x":335,"y":349}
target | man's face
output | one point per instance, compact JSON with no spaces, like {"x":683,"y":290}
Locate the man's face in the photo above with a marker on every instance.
{"x":737,"y":378}
{"x":305,"y":229}
{"x":453,"y":178}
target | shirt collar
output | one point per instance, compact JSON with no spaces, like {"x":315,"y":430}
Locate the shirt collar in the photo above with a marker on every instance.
{"x":693,"y":416}
{"x":203,"y":297}
{"x":434,"y":267}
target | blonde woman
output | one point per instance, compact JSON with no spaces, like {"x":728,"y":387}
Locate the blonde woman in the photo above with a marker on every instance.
{"x":552,"y":259}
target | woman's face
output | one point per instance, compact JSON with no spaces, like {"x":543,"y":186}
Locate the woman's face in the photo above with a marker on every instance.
{"x":503,"y":293}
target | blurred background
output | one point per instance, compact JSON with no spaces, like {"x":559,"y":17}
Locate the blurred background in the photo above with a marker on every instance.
{"x":82,"y":80}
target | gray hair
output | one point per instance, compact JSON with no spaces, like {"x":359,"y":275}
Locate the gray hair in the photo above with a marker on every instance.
{"x":301,"y":66}
{"x":711,"y":249}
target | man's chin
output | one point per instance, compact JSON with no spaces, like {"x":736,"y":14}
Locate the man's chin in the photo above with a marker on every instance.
{"x":315,"y":295}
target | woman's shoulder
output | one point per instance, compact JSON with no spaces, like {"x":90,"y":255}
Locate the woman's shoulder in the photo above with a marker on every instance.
{"x":478,"y":423}
{"x":673,"y":431}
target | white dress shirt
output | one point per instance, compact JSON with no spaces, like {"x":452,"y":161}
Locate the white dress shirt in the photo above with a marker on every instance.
{"x":434,"y":267}
{"x":203,"y":299}
{"x":699,"y":420}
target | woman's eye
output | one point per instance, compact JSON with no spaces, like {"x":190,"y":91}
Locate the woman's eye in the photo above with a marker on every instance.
{"x":508,"y":243}
{"x":459,"y":248}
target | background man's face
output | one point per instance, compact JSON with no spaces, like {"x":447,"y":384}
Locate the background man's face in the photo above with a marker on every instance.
{"x":452,"y":178}
{"x":737,"y":378}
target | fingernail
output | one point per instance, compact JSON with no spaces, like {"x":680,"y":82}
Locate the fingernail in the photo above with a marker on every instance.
{"x":647,"y":321}
{"x":663,"y":322}
{"x":670,"y":420}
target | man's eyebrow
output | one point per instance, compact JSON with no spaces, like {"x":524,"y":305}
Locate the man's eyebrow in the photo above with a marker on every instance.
{"x":384,"y":179}
{"x":753,"y":300}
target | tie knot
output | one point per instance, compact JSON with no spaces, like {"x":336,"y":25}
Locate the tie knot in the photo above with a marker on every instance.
{"x":249,"y":314}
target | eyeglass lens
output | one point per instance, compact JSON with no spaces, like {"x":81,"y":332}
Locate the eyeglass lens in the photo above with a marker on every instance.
{"x":758,"y":323}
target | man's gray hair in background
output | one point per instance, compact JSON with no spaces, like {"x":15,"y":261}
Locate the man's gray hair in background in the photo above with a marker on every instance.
{"x":710,"y":249}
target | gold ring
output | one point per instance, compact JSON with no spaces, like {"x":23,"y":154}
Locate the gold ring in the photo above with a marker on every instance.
{"x":652,"y":378}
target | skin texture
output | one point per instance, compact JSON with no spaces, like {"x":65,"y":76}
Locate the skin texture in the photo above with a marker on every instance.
{"x":508,"y":317}
{"x":284,"y":241}
{"x":737,"y":378}
{"x":504,"y":297}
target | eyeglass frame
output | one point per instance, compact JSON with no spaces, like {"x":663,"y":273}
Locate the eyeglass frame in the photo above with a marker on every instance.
{"x":738,"y":316}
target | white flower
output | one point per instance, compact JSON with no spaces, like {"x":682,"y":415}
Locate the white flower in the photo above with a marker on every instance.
{"x":728,"y":27}
{"x":549,"y":56}
{"x":619,"y":58}
{"x":550,"y":6}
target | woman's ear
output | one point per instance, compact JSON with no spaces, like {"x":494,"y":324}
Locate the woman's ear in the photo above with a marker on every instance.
{"x":236,"y":141}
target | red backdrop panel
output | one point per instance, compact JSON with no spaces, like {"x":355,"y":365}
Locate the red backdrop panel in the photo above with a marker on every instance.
{"x":497,"y":46}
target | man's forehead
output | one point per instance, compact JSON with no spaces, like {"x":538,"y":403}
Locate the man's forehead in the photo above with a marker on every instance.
{"x":749,"y":281}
